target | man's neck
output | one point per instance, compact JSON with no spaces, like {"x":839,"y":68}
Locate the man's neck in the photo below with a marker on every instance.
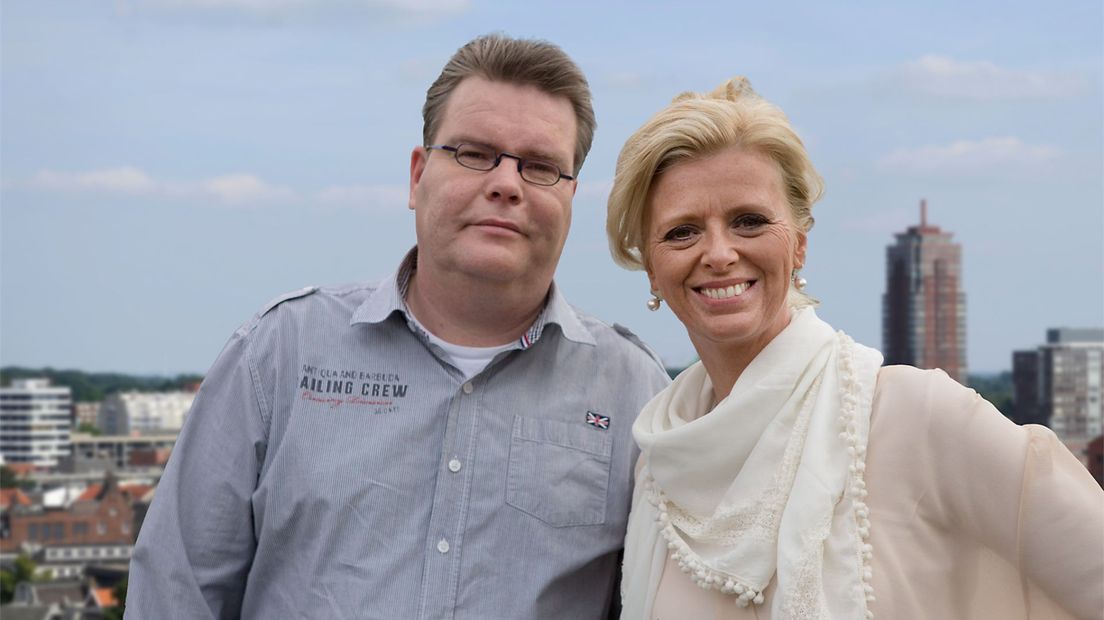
{"x":471,"y":312}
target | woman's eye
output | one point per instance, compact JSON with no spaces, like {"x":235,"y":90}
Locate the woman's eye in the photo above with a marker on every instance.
{"x":679,"y":233}
{"x":750,"y":221}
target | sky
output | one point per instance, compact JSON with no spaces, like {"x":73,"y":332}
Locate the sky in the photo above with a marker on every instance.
{"x":169,"y":166}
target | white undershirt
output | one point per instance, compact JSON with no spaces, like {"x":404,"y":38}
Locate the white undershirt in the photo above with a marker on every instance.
{"x":470,"y":361}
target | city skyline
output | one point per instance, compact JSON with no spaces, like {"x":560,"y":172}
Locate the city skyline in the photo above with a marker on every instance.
{"x":168,"y":167}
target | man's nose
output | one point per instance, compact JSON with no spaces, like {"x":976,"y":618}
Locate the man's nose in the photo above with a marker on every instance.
{"x":504,"y":181}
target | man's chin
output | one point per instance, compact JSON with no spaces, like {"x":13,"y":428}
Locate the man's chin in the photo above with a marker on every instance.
{"x":499,"y":267}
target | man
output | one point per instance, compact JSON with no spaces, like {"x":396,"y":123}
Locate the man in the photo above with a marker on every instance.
{"x":453,"y":442}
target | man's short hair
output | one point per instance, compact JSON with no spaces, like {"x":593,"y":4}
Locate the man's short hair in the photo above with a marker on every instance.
{"x":526,"y":62}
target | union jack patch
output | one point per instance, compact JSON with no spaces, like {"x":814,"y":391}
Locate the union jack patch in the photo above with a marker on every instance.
{"x":597,"y":421}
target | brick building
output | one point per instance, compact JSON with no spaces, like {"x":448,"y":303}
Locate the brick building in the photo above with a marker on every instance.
{"x":103,"y":519}
{"x":924,"y":306}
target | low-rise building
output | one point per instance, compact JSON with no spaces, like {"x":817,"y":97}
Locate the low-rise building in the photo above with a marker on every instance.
{"x":147,"y":412}
{"x":86,"y":413}
{"x":103,"y":520}
{"x":101,"y":452}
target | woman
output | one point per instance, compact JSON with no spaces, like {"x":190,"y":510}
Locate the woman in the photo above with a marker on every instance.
{"x":787,"y":474}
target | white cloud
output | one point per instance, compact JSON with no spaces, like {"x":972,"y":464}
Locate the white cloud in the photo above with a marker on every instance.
{"x":124,"y":179}
{"x":945,"y":77}
{"x":967,"y":157}
{"x":232,"y":189}
{"x":280,"y":9}
{"x":596,"y":190}
{"x":882,"y":223}
{"x":244,"y":189}
{"x":371,"y":196}
{"x":626,"y":80}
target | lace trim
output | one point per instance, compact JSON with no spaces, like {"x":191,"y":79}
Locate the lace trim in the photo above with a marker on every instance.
{"x":807,"y":601}
{"x":759,"y":520}
{"x":850,"y":391}
{"x":726,"y":526}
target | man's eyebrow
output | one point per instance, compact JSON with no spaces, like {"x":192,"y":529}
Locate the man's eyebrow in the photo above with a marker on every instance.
{"x":543,"y":156}
{"x":529,"y":154}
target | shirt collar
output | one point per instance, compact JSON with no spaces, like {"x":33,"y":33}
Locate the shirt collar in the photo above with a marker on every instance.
{"x":390,"y":296}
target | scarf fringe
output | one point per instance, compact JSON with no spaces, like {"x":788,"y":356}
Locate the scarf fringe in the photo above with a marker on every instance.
{"x":688,"y":561}
{"x":708,"y":578}
{"x":856,"y":448}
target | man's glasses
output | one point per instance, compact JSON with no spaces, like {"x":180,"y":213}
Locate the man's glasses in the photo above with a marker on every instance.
{"x":484,"y":158}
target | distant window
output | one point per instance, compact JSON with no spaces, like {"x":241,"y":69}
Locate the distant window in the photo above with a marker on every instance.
{"x":80,"y":528}
{"x":58,"y":531}
{"x":125,"y":527}
{"x":101,"y":528}
{"x":32,"y":531}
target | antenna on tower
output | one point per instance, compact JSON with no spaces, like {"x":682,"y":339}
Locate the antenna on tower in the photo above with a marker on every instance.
{"x":923,"y":213}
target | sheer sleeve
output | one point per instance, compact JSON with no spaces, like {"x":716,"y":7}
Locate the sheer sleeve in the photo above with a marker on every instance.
{"x":1019,"y":491}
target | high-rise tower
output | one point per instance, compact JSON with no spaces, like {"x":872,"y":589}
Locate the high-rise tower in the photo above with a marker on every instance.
{"x":924,"y":306}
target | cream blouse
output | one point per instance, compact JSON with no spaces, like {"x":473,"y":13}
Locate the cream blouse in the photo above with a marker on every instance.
{"x":971,"y":516}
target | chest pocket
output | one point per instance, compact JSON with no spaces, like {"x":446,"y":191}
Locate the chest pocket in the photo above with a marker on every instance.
{"x":559,"y":472}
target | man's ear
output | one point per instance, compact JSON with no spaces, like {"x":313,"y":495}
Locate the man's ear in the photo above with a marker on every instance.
{"x":419,"y":157}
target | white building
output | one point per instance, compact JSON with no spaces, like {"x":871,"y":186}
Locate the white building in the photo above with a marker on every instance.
{"x":127,"y":412}
{"x":1059,"y":383}
{"x":35,"y":420}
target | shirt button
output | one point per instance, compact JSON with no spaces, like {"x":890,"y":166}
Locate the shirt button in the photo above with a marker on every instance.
{"x":442,"y":546}
{"x":468,"y":388}
{"x":454,"y":465}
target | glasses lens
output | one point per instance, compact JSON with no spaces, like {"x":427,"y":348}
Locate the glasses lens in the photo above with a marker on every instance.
{"x":475,"y":157}
{"x":540,"y":172}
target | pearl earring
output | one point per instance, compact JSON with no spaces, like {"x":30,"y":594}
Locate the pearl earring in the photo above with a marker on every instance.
{"x":799,"y":282}
{"x":654,"y":302}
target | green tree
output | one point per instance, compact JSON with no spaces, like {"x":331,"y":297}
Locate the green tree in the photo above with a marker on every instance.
{"x":120,"y":592}
{"x":997,"y":389}
{"x":23,"y":569}
{"x":91,"y":429}
{"x":8,"y":479}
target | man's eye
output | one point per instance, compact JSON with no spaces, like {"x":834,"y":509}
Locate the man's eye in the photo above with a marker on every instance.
{"x":542,"y":168}
{"x":474,"y":156}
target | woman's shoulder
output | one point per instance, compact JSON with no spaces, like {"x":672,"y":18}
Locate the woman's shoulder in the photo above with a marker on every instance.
{"x":918,"y":389}
{"x":918,"y":400}
{"x":930,"y":403}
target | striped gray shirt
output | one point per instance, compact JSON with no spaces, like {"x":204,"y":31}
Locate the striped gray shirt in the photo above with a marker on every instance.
{"x":334,"y":465}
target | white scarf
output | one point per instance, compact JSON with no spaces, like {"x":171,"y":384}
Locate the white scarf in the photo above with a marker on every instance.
{"x":767,"y":486}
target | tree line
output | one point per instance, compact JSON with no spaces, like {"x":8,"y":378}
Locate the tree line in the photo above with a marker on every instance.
{"x":94,"y":386}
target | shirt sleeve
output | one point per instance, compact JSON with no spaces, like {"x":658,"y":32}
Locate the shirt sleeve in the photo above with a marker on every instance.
{"x":196,"y":544}
{"x":1019,"y":491}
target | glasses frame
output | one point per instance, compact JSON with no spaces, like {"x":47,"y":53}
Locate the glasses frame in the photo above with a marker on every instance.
{"x":498,"y":155}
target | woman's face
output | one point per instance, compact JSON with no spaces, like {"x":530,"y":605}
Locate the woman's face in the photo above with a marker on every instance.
{"x":721,"y":247}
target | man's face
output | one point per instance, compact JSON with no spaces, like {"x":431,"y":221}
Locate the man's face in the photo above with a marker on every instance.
{"x":493,"y":225}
